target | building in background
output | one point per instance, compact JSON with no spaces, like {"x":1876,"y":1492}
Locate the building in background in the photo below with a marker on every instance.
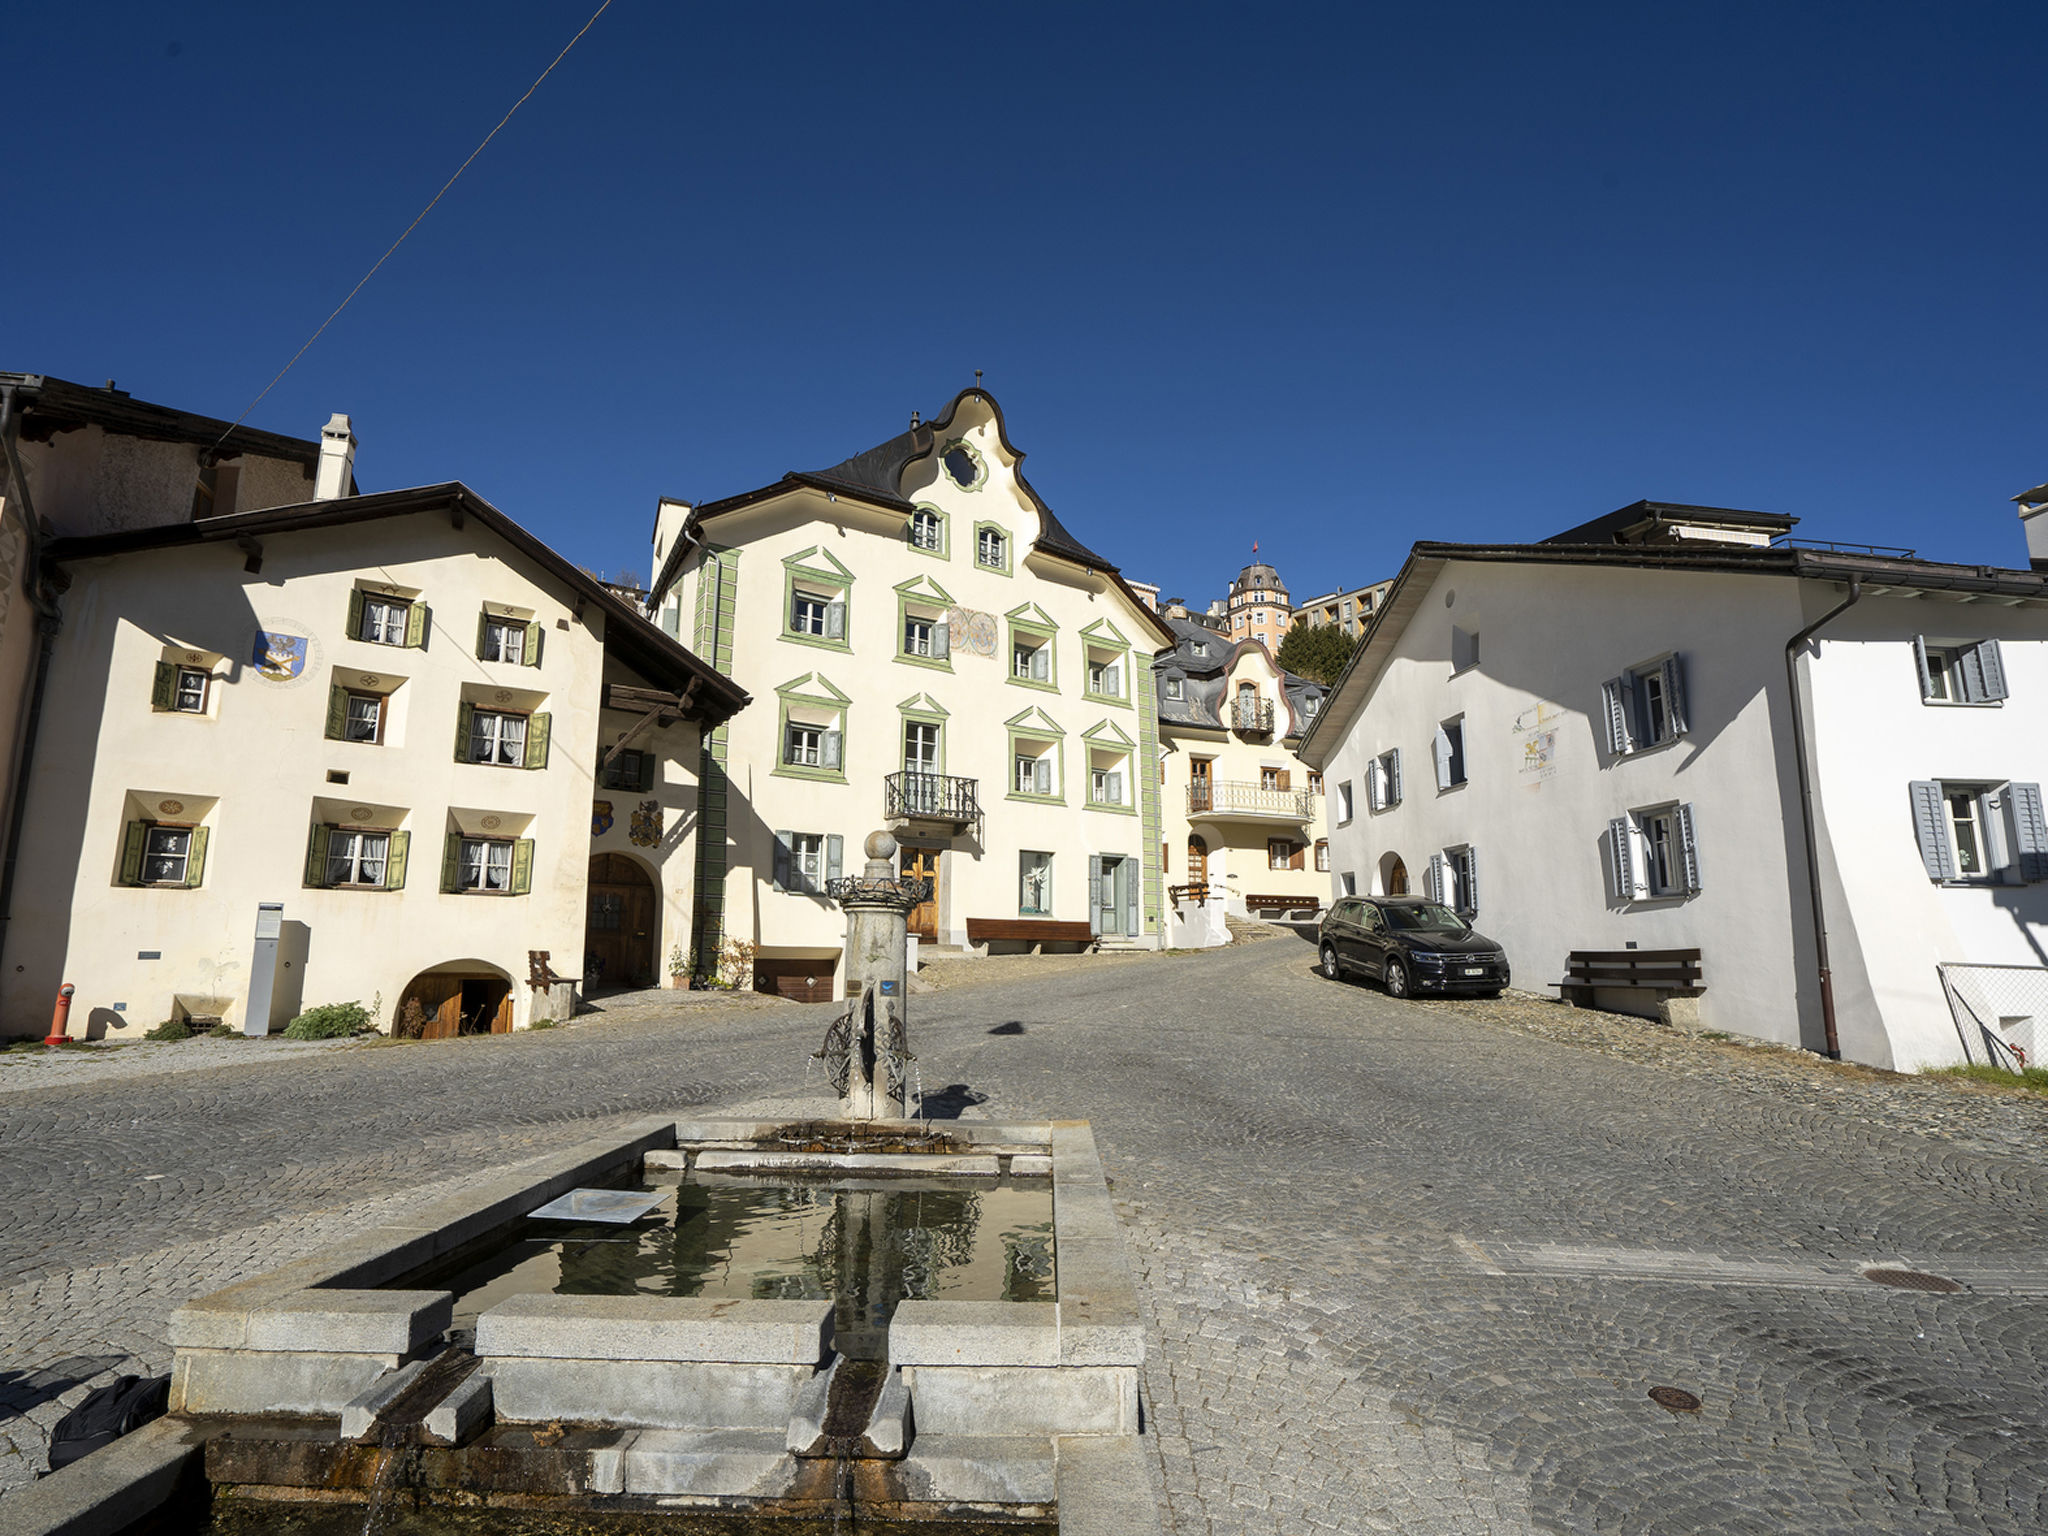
{"x":1604,"y":742}
{"x":1258,"y":607}
{"x":1350,"y":609}
{"x":948,"y":661}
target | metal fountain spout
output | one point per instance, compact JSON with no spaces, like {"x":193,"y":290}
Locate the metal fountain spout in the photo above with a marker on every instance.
{"x":867,"y":1049}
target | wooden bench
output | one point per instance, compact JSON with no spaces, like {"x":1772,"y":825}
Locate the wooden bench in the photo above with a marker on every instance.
{"x":1282,"y":904}
{"x":1669,"y":972}
{"x":1028,"y":930}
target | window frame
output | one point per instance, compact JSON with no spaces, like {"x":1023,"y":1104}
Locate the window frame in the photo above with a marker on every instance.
{"x":376,"y":736}
{"x":1006,"y":547}
{"x":1453,"y":771}
{"x":941,"y":546}
{"x":498,"y":717}
{"x":205,"y":676}
{"x":464,"y":842}
{"x":356,"y":860}
{"x":1025,"y":872}
{"x":399,"y":607}
{"x":497,"y":627}
{"x":152,"y":831}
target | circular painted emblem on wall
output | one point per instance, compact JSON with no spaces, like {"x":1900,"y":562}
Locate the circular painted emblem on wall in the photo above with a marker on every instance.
{"x":194,"y":657}
{"x":371,"y":679}
{"x":502,"y":696}
{"x":282,"y":651}
{"x":169,"y":807}
{"x":360,"y":813}
{"x":490,"y":823}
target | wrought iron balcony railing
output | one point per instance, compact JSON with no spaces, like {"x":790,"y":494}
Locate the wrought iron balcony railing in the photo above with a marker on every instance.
{"x":1229,"y":797}
{"x":931,"y":797}
{"x":1252,"y":716}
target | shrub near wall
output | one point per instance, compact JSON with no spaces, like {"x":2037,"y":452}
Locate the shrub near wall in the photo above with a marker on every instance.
{"x":329,"y":1023}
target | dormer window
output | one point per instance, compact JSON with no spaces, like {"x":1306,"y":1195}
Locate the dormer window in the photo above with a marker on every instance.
{"x":963,"y":464}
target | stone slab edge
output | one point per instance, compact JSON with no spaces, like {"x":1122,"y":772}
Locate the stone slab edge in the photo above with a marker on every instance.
{"x":719,"y":1330}
{"x":1099,"y":1322}
{"x":1104,"y":1487}
{"x":979,"y":1133}
{"x":112,"y":1488}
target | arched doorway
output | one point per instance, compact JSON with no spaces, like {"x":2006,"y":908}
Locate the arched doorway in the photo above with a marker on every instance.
{"x":1198,"y":860}
{"x":1393,"y":875}
{"x":621,"y":923}
{"x":463,"y":997}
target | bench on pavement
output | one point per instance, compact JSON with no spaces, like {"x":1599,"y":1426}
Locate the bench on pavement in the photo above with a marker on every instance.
{"x":1285,"y":905}
{"x":1034,"y":931}
{"x":1658,"y":975}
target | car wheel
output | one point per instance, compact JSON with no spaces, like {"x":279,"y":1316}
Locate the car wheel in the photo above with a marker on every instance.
{"x":1330,"y":963}
{"x":1396,"y":979}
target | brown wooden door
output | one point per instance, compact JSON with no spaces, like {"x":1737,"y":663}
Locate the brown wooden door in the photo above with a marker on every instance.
{"x":801,"y":981}
{"x":1198,"y":860}
{"x":1198,"y":787}
{"x":1397,"y":879}
{"x":619,"y":927}
{"x":923,"y":864}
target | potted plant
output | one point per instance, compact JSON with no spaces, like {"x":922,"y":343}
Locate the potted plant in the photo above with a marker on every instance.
{"x":679,"y":967}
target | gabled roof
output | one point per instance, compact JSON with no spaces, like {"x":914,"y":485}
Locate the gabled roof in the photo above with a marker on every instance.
{"x":1641,"y":515}
{"x":49,"y":406}
{"x":641,"y":645}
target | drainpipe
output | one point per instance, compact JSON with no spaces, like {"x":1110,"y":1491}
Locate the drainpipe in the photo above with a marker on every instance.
{"x":48,"y":620}
{"x":1820,"y":920}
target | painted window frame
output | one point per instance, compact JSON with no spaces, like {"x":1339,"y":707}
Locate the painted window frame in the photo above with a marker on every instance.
{"x":914,"y":600}
{"x":484,"y":862}
{"x":1048,"y":638}
{"x":1626,"y":705}
{"x":356,"y":861}
{"x":497,"y":737}
{"x":943,"y":550}
{"x":827,"y":701}
{"x":962,"y":445}
{"x":397,"y":614}
{"x":1009,"y":562}
{"x":827,"y":583}
{"x":2008,"y":821}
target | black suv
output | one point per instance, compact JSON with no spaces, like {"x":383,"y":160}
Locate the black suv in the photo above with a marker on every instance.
{"x":1412,"y":945}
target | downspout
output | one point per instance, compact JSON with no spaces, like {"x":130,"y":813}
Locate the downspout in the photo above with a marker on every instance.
{"x":48,"y":620}
{"x":1820,"y":920}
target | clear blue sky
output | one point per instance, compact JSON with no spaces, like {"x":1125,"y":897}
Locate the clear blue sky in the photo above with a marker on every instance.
{"x":1331,"y":278}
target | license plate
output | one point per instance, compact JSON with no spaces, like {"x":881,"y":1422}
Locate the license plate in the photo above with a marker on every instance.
{"x":1475,"y":970}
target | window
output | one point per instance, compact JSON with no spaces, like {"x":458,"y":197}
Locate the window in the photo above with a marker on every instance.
{"x":1033,"y":772}
{"x":1031,"y":660}
{"x":1177,"y":689}
{"x":497,"y":738}
{"x":1322,"y":856}
{"x":1983,"y":832}
{"x":1450,"y":753}
{"x":364,"y":717}
{"x":385,"y":620}
{"x":1034,"y":884}
{"x":1105,"y":678}
{"x":1383,"y":781}
{"x":627,"y":770}
{"x":1464,"y":649}
{"x":190,"y":696}
{"x":1282,"y":854}
{"x":927,"y":531}
{"x":1459,"y":882}
{"x":925,"y":637}
{"x":358,"y":858}
{"x":1269,"y":778}
{"x":486,"y":865}
{"x":963,"y":466}
{"x":815,"y":614}
{"x":1343,"y":802}
{"x":1311,"y":705}
{"x":1653,"y":854}
{"x":1315,"y":782}
{"x":990,"y":549}
{"x":920,"y":747}
{"x":504,"y":640}
{"x":1106,"y":786}
{"x":165,"y":855}
{"x":1961,"y":673}
{"x":805,"y":745}
{"x":1645,"y":706}
{"x":1350,"y":883}
{"x":806,"y":861}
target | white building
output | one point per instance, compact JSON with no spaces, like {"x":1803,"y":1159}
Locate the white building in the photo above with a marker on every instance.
{"x":1594,"y":743}
{"x":947,"y":660}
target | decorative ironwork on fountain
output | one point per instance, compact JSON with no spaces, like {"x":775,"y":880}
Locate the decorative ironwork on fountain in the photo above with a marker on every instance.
{"x":867,"y":1049}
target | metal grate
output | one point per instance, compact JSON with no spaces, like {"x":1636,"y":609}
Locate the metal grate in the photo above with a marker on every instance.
{"x":2000,"y":1012}
{"x":1677,"y":1399}
{"x":1911,"y":1280}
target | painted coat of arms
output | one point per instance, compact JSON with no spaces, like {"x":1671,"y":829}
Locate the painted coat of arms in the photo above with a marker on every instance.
{"x":646,"y":828}
{"x":600,"y":817}
{"x":279,"y":657}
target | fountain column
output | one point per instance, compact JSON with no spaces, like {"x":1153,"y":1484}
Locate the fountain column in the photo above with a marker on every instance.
{"x":877,"y":1044}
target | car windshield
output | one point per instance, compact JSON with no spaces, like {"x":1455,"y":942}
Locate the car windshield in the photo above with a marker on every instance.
{"x":1424,"y":917}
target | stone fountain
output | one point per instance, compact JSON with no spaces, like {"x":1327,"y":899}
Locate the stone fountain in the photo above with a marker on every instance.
{"x":867,"y":1049}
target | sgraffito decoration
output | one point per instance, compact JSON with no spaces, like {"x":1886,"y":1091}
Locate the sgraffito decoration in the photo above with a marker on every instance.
{"x":646,"y":828}
{"x":600,"y":817}
{"x":971,"y":631}
{"x":279,"y":657}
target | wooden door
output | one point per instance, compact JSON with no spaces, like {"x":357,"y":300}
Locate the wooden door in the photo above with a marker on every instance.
{"x":1397,"y":879}
{"x":923,"y":864}
{"x":1198,"y":860}
{"x":801,"y":981}
{"x":1198,"y":784}
{"x":619,"y":927}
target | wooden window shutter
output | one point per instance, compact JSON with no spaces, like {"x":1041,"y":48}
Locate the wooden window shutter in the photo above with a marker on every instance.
{"x":132,"y":841}
{"x":1990,"y":671}
{"x":1095,"y":894}
{"x":337,"y":712}
{"x":1688,"y":848}
{"x":647,"y":766}
{"x":537,"y":730}
{"x":1925,"y":668}
{"x":1936,"y":852}
{"x":522,"y":866}
{"x":835,"y":619}
{"x":316,"y":854}
{"x":355,"y":613}
{"x":483,"y":632}
{"x":1443,"y":759}
{"x":451,"y":862}
{"x":195,"y":858}
{"x":1041,"y":664}
{"x":1674,"y":693}
{"x":399,"y":846}
{"x":2030,"y":831}
{"x":942,"y":643}
{"x":465,"y":718}
{"x":1395,"y":777}
{"x":1286,"y":780}
{"x":784,"y":842}
{"x":1294,"y":853}
{"x":835,"y":855}
{"x":1617,"y":694}
{"x":536,"y":635}
{"x":1041,"y":776}
{"x":1471,"y":884}
{"x":416,"y":626}
{"x":829,"y":748}
{"x":1436,"y":877}
{"x":163,"y":693}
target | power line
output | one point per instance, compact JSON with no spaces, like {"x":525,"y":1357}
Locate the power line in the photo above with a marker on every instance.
{"x":415,"y":224}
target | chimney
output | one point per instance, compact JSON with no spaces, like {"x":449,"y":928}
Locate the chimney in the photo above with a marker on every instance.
{"x":2034,"y":519}
{"x":336,"y":476}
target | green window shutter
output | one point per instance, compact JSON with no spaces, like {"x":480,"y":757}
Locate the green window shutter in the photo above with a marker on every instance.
{"x":536,"y":632}
{"x":337,"y":712}
{"x":316,"y":854}
{"x":394,"y":861}
{"x":465,"y":714}
{"x":131,"y":852}
{"x":451,"y":863}
{"x":537,"y":741}
{"x":483,"y":632}
{"x":195,"y":865}
{"x":163,"y":693}
{"x":646,"y":772}
{"x":355,"y":613}
{"x":522,"y":866}
{"x":416,"y":626}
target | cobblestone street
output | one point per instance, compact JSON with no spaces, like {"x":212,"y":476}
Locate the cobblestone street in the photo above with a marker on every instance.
{"x":1410,"y":1267}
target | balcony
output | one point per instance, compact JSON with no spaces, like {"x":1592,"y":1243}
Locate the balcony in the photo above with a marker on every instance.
{"x":931,"y":797}
{"x":1252,"y":717}
{"x":1230,"y":800}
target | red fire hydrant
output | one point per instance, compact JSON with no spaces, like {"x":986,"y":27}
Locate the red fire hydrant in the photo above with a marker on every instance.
{"x":56,"y":1036}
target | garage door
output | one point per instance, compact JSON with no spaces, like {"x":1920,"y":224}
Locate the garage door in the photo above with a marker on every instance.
{"x":801,"y":981}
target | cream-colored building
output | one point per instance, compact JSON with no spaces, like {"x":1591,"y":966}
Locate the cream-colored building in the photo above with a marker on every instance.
{"x":1258,"y":607}
{"x":383,"y":713}
{"x":1244,"y":814}
{"x":1350,"y":609}
{"x":946,"y":660}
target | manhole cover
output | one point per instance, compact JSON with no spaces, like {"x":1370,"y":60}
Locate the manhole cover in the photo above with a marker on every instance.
{"x":1677,"y":1399}
{"x":1911,"y":1280}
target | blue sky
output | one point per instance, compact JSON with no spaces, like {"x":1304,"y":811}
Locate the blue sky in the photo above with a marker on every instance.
{"x":1334,"y":278}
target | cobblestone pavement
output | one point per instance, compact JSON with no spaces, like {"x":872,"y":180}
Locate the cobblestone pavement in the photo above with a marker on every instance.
{"x":1407,"y":1267}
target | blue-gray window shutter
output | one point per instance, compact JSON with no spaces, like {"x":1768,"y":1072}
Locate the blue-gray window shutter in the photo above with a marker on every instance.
{"x":1970,"y":662}
{"x":1921,"y":663}
{"x":1991,"y":670}
{"x":828,"y":749}
{"x":1674,"y":693}
{"x":835,"y":856}
{"x":1041,"y":664}
{"x":1616,"y":694}
{"x":2030,"y":830}
{"x":1471,"y":883}
{"x":1375,"y":786}
{"x":1443,"y":760}
{"x":1395,"y":777}
{"x":942,"y":643}
{"x":783,"y":843}
{"x":1095,"y":894}
{"x":1127,"y":877}
{"x":1041,"y":776}
{"x":1436,"y":877}
{"x":1621,"y":858}
{"x":1688,"y":848}
{"x":835,"y":619}
{"x":1929,"y":827}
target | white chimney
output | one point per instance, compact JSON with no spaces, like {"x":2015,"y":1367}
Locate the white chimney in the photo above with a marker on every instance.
{"x":336,"y":476}
{"x":2034,"y":519}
